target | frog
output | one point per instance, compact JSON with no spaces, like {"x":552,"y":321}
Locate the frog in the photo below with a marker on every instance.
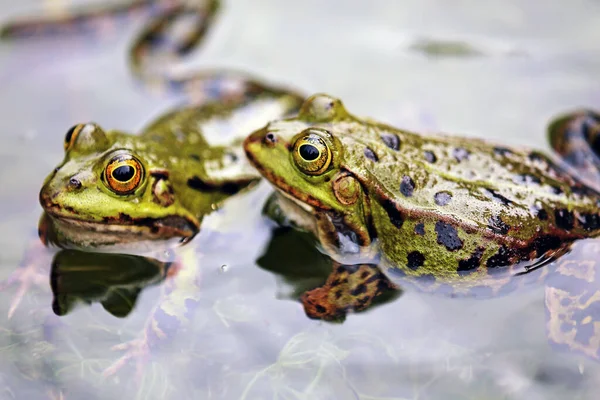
{"x":442,"y":214}
{"x":118,"y":191}
{"x":147,"y":193}
{"x":122,"y":191}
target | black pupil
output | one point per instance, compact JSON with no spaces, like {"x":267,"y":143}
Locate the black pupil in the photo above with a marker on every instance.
{"x":309,"y":152}
{"x":123,"y":173}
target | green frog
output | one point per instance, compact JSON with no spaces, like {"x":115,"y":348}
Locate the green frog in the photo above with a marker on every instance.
{"x":146,"y":192}
{"x":121,"y":191}
{"x":452,"y":215}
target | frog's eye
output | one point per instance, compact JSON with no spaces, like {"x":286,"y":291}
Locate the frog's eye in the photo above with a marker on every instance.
{"x":123,"y":173}
{"x":311,"y":154}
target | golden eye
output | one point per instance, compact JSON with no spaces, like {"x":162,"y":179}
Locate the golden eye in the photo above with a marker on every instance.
{"x":311,"y":154}
{"x":71,"y":136}
{"x":123,"y":174}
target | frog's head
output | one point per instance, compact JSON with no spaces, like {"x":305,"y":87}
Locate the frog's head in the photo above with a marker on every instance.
{"x":107,"y":192}
{"x":302,"y":157}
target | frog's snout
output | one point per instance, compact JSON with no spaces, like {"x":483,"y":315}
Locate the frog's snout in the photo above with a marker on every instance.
{"x":254,"y":143}
{"x":60,"y":184}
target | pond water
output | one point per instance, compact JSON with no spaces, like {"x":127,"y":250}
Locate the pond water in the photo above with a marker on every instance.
{"x":496,"y":69}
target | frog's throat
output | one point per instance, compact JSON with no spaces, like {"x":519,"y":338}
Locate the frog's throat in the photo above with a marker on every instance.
{"x":304,"y":200}
{"x":123,"y":229}
{"x":307,"y":208}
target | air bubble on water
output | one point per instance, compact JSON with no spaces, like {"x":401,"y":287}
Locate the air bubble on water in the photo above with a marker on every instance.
{"x":224,"y":268}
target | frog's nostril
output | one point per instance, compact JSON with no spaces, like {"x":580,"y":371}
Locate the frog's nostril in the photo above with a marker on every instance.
{"x":75,"y":183}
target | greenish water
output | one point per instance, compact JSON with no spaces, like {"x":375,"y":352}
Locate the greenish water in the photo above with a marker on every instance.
{"x":495,"y":69}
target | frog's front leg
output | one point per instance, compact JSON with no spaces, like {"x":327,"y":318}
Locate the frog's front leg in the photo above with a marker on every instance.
{"x":34,"y":268}
{"x":348,"y":288}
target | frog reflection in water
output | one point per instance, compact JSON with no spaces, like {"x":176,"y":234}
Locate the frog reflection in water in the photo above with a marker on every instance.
{"x":445,"y":214}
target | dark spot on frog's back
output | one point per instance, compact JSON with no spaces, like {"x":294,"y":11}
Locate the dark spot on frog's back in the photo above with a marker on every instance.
{"x":407,"y":186}
{"x":526,"y":179}
{"x":370,"y":154}
{"x":448,"y":236}
{"x":195,"y":157}
{"x":430,"y":156}
{"x":542,"y":244}
{"x":469,"y":265}
{"x":502,"y":151}
{"x":497,"y":197}
{"x":536,"y":157}
{"x":460,"y":154}
{"x":393,"y":213}
{"x":589,"y":221}
{"x":415,"y":259}
{"x":498,"y":226}
{"x":564,"y":219}
{"x":420,"y":229}
{"x":500,"y":259}
{"x":391,"y":140}
{"x":442,"y":198}
{"x":538,"y":210}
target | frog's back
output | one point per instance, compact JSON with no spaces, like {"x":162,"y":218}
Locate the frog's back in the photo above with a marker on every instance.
{"x":459,"y":210}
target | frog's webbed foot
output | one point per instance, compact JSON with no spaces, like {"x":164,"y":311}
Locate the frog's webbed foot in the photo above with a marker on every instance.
{"x":33,"y":271}
{"x":348,"y":288}
{"x":573,"y":303}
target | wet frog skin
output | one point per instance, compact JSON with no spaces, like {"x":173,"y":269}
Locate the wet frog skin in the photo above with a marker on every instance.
{"x":119,"y":190}
{"x":447,"y":214}
{"x":139,"y":193}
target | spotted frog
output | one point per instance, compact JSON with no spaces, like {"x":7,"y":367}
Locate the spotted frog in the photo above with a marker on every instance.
{"x":446,"y":214}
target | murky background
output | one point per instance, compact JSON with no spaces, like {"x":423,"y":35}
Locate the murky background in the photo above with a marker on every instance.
{"x":494,"y":69}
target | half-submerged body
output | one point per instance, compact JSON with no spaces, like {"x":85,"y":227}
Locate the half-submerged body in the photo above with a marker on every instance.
{"x":445,"y":213}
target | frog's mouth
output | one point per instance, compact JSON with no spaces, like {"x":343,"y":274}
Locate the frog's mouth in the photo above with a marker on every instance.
{"x":123,"y":231}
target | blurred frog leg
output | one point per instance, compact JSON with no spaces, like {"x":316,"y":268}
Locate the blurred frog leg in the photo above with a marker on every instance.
{"x":86,"y":19}
{"x":575,"y":137}
{"x":348,"y":288}
{"x":34,"y":268}
{"x":180,"y":294}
